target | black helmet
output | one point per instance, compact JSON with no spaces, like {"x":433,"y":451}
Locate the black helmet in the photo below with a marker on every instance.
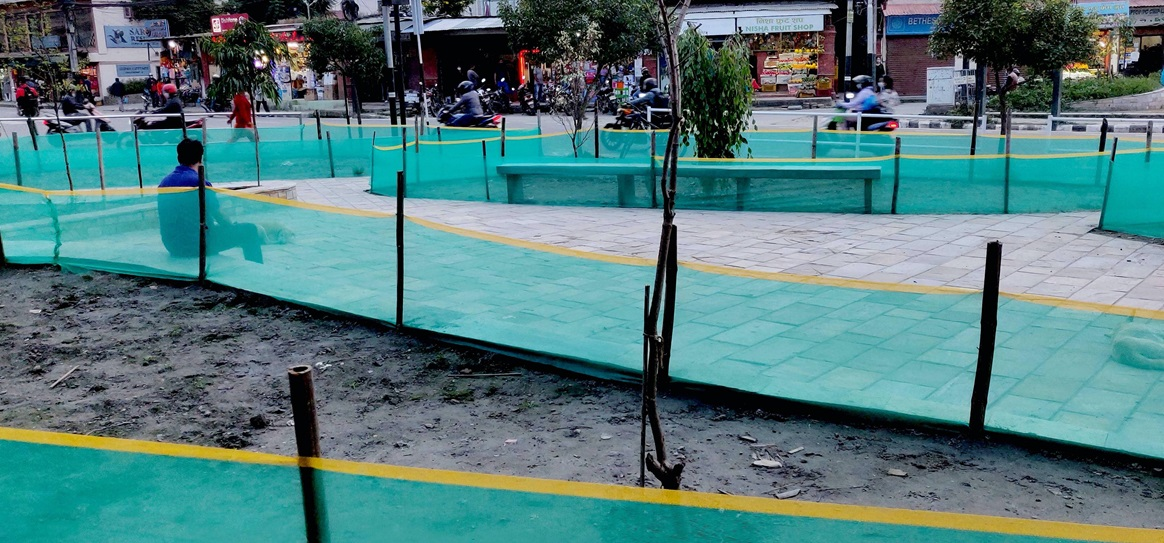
{"x":862,"y":81}
{"x":650,"y":84}
{"x":646,"y":72}
{"x":464,"y":86}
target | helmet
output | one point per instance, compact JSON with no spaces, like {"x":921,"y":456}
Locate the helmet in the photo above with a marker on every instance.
{"x":464,"y":86}
{"x":862,"y":81}
{"x":170,"y":88}
{"x":650,"y":84}
{"x":646,"y":72}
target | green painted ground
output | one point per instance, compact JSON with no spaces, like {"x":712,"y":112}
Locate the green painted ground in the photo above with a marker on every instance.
{"x":64,"y":494}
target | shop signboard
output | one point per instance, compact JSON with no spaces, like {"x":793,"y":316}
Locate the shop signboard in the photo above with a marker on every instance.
{"x":910,"y":25}
{"x":775,"y":25}
{"x":124,"y":37}
{"x":225,"y":22}
{"x":1153,"y":16}
{"x":1109,"y":12}
{"x":130,"y":71}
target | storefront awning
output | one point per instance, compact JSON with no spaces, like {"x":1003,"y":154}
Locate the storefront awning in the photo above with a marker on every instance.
{"x":466,"y":25}
{"x":771,"y":17}
{"x":913,"y":7}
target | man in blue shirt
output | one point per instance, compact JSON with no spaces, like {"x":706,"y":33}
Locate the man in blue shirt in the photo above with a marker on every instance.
{"x":178,"y":214}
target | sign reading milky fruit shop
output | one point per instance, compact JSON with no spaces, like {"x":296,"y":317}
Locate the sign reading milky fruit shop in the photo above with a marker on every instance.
{"x":774,"y":25}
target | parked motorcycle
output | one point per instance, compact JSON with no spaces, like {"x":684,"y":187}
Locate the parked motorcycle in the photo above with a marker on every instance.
{"x":525,"y":100}
{"x":494,"y":101}
{"x":605,"y":101}
{"x":446,"y":118}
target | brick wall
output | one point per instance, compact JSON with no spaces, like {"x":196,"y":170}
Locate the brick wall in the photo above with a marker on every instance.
{"x":908,"y":61}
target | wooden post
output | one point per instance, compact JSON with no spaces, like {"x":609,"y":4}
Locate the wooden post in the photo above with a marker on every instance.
{"x":503,"y":137}
{"x":896,"y":174}
{"x":439,"y":134}
{"x":330,"y":156}
{"x":401,"y":192}
{"x":183,"y":117}
{"x":654,"y":174}
{"x":258,"y":167}
{"x":1148,"y":150}
{"x":986,"y":341}
{"x":1107,"y":188}
{"x":1006,"y":168}
{"x":372,"y":163}
{"x":202,"y":223}
{"x":16,"y":158}
{"x":3,"y":259}
{"x":137,"y":155}
{"x":857,"y":148}
{"x":65,"y":153}
{"x":643,"y":400}
{"x":100,"y":160}
{"x":596,"y":133}
{"x":318,"y":126}
{"x":1103,"y":128}
{"x":815,"y":131}
{"x":307,"y":446}
{"x":485,"y":166}
{"x":32,"y":134}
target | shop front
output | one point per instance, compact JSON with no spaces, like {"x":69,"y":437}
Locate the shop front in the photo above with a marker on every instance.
{"x":791,"y":43}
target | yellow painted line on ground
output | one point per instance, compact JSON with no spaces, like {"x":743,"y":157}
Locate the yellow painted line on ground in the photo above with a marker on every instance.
{"x":533,"y":245}
{"x":303,"y":205}
{"x":1087,"y":306}
{"x":18,"y":188}
{"x":391,"y":148}
{"x":368,"y":124}
{"x":533,"y":136}
{"x":824,"y":281}
{"x":851,"y":513}
{"x":460,"y":142}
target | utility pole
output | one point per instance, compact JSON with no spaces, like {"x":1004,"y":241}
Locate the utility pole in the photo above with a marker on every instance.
{"x":871,"y":36}
{"x":848,"y":48}
{"x":69,"y":9}
{"x":400,"y":51}
{"x":389,"y":58}
{"x":418,"y":29}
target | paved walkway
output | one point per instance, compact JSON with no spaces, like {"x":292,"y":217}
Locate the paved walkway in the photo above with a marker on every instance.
{"x":1054,"y":255}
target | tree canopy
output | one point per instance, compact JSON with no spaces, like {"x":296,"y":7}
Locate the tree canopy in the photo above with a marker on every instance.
{"x":245,"y":56}
{"x":445,"y":8}
{"x":717,"y":93}
{"x":626,"y":27}
{"x":343,"y":47}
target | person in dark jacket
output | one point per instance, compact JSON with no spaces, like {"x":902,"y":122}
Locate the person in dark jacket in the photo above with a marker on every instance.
{"x":173,"y":105}
{"x":117,"y":91}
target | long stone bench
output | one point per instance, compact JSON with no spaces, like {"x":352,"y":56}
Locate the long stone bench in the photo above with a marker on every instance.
{"x":743,"y":174}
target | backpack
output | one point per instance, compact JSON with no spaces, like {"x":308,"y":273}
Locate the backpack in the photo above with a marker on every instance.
{"x":27,"y":98}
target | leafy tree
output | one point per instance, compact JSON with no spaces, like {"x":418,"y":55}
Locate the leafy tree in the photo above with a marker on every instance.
{"x":626,"y":27}
{"x":270,"y":11}
{"x":577,"y":48}
{"x":446,"y":8}
{"x":245,"y":55}
{"x":717,"y":93}
{"x":1000,"y":34}
{"x":342,"y":47}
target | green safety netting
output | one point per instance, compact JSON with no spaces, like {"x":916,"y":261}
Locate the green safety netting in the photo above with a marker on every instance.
{"x":73,"y":488}
{"x":1135,"y":202}
{"x":1084,"y":374}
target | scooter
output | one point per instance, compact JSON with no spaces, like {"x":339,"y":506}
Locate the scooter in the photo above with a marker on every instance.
{"x":65,"y":126}
{"x":848,"y":121}
{"x":632,"y":117}
{"x":142,"y":124}
{"x":446,"y":118}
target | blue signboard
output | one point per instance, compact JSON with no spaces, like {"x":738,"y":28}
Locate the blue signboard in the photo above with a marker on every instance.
{"x":1104,"y":9}
{"x":122,"y":37}
{"x":910,"y":25}
{"x":129,"y":71}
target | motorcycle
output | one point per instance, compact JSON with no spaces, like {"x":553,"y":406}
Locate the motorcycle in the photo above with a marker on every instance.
{"x":494,"y":101}
{"x":845,"y":120}
{"x":64,"y":126}
{"x":142,"y":124}
{"x":634,"y":117}
{"x":446,"y":118}
{"x":525,"y":100}
{"x":605,"y":101}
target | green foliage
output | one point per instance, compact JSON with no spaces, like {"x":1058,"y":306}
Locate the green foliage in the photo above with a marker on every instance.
{"x":717,"y":93}
{"x":627,"y":27}
{"x":134,"y":86}
{"x":445,"y":8}
{"x":1059,"y":34}
{"x":192,"y":18}
{"x":1036,"y":95}
{"x":344,"y":48}
{"x":270,"y":11}
{"x":236,"y":53}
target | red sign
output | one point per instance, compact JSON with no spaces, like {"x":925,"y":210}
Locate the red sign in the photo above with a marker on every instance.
{"x":222,"y":23}
{"x":288,"y":36}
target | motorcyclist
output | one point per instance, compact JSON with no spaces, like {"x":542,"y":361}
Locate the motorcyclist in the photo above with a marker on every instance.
{"x":648,"y":95}
{"x":865,"y":101}
{"x":173,"y":105}
{"x":470,"y":101}
{"x":74,"y":106}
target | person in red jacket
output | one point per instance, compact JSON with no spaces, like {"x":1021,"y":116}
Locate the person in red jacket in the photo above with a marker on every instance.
{"x":241,"y":118}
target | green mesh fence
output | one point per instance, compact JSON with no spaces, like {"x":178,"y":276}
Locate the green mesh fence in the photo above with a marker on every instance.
{"x":77,"y":488}
{"x":1079,"y":373}
{"x":1135,"y":202}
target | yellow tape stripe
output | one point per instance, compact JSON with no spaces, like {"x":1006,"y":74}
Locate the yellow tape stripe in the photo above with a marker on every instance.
{"x":18,"y":188}
{"x":303,"y":205}
{"x":460,"y":142}
{"x":852,"y":513}
{"x":129,"y":191}
{"x":824,"y":281}
{"x":532,"y":245}
{"x":368,"y":124}
{"x":392,"y":148}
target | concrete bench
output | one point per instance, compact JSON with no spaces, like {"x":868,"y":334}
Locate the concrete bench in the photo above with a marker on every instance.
{"x":624,"y":173}
{"x":742,"y":173}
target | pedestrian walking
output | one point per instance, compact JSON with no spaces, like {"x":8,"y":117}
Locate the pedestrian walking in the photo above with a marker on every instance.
{"x":117,"y":91}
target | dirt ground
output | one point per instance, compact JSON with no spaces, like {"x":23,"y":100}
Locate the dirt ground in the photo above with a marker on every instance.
{"x":187,"y":364}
